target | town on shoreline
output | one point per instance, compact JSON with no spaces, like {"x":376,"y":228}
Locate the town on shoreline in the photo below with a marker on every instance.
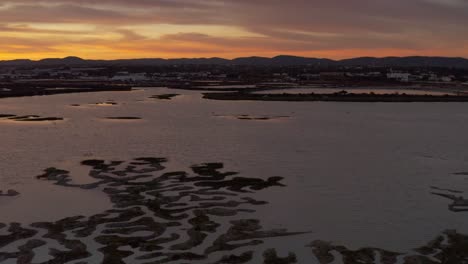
{"x":239,"y":81}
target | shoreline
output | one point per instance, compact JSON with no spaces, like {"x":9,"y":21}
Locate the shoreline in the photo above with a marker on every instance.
{"x":26,"y":90}
{"x":336,"y":97}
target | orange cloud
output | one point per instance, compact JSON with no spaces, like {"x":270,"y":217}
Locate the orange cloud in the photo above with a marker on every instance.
{"x":112,"y":29}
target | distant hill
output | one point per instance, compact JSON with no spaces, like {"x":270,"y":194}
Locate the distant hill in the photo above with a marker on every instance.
{"x":15,"y":62}
{"x":283,"y":60}
{"x":415,"y":61}
{"x":64,"y":61}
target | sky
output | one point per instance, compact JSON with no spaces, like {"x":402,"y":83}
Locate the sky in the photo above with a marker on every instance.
{"x":113,"y":29}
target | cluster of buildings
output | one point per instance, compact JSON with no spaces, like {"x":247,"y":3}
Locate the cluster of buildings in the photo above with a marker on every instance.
{"x":194,"y":73}
{"x":390,"y":76}
{"x":104,"y":74}
{"x":339,"y":75}
{"x":51,"y":73}
{"x":430,"y":77}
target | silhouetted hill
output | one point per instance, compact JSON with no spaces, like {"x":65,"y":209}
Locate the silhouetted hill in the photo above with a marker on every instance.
{"x":135,"y":62}
{"x":293,"y":60}
{"x":283,"y":60}
{"x":65,"y":61}
{"x":15,"y":62}
{"x":414,"y":61}
{"x":251,"y":61}
{"x":199,"y":61}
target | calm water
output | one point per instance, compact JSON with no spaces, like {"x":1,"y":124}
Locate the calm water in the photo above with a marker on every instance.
{"x":358,"y":174}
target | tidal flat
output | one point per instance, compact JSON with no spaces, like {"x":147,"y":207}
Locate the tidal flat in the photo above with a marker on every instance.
{"x":28,"y":118}
{"x":206,"y":181}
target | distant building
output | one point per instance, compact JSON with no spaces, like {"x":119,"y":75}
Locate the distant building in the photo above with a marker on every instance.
{"x":446,"y":79}
{"x":130,"y":77}
{"x":436,"y":78}
{"x":332,"y":75}
{"x":399,"y":76}
{"x":433,"y":77}
{"x":309,"y":76}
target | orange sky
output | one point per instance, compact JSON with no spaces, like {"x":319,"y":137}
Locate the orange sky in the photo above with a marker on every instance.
{"x":112,"y":29}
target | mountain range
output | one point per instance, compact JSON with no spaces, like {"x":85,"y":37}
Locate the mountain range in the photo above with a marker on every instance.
{"x":283,"y":60}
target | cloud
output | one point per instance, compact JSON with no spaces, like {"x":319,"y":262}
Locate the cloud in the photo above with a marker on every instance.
{"x":250,"y":26}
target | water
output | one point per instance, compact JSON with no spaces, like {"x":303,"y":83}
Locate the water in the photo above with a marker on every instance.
{"x":358,"y":174}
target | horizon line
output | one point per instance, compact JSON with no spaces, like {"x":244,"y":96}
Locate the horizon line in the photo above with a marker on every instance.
{"x":215,"y":57}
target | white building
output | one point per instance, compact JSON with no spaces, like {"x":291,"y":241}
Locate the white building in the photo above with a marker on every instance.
{"x":399,"y":76}
{"x":445,"y":79}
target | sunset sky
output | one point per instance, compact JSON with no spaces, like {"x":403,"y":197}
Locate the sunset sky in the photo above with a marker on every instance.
{"x":110,"y":29}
